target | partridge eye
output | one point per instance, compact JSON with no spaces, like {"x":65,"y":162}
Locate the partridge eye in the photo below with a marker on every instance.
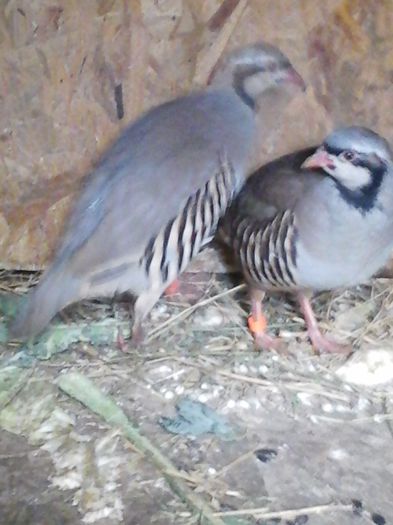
{"x":348,"y":155}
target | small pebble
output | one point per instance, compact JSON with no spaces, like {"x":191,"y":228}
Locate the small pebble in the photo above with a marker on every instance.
{"x":243,"y":369}
{"x":231,"y":404}
{"x":211,"y":471}
{"x":265,"y":454}
{"x":299,"y":520}
{"x":179,"y":390}
{"x":378,"y":519}
{"x":244,"y":404}
{"x":357,"y":507}
{"x":328,"y":407}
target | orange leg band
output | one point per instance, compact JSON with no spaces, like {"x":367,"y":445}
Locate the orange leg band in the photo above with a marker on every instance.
{"x":257,"y":325}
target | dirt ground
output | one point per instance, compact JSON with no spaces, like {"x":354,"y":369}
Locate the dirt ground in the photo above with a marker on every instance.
{"x":299,"y":438}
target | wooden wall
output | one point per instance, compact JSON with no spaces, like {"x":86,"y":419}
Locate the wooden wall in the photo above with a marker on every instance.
{"x":73,"y":73}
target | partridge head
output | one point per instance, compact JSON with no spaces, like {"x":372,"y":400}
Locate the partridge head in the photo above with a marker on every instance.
{"x":317,"y":219}
{"x":157,"y":194}
{"x":256,"y":70}
{"x":358,"y":160}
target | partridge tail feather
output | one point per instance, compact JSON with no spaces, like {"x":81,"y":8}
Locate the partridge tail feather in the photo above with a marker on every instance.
{"x":55,"y":291}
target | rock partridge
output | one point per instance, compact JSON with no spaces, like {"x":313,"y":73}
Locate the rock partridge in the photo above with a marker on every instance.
{"x":156,"y":196}
{"x":314,"y":220}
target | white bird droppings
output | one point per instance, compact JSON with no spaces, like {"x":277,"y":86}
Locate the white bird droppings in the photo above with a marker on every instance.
{"x":242,"y":345}
{"x":169,"y":395}
{"x":179,"y":390}
{"x":338,"y":454}
{"x":244,"y":404}
{"x":263,"y":369}
{"x":243,"y":369}
{"x":370,"y":367}
{"x":211,"y":317}
{"x":165,"y":369}
{"x":305,"y":398}
{"x":203,"y":398}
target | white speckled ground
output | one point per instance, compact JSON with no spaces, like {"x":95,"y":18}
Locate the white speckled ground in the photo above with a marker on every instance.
{"x":329,"y":441}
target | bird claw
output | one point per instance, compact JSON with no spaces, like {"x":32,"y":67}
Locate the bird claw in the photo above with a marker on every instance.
{"x":324,"y":344}
{"x":267,"y":342}
{"x":138,"y":336}
{"x":136,"y":341}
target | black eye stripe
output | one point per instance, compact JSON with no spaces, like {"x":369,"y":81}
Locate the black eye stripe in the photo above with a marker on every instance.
{"x":371,"y":162}
{"x":333,"y":150}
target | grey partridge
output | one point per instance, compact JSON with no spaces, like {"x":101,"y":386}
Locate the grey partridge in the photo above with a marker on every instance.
{"x":156,"y":196}
{"x":314,"y":220}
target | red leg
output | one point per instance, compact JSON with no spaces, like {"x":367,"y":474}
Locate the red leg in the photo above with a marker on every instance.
{"x":121,"y":342}
{"x":257,"y":324}
{"x":173,"y":288}
{"x":319,"y":341}
{"x":189,"y":287}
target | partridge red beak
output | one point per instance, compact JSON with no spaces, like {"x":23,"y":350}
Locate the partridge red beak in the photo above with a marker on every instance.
{"x":294,"y":78}
{"x":320,"y":159}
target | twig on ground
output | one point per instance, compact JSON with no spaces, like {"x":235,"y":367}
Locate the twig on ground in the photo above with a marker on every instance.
{"x":261,"y":513}
{"x":85,"y":391}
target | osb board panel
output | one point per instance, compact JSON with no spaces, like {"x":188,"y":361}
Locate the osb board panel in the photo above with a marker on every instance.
{"x":64,"y":64}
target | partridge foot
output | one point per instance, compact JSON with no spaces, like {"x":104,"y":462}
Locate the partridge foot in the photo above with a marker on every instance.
{"x":320,"y":342}
{"x":263,"y":341}
{"x":138,"y":335}
{"x":121,"y":342}
{"x":323,"y":343}
{"x":257,"y":325}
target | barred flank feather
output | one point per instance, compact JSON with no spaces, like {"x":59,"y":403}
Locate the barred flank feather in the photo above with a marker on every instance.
{"x":171,"y":250}
{"x":267,"y":250}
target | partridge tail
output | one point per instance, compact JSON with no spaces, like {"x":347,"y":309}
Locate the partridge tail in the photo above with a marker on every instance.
{"x":55,"y":291}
